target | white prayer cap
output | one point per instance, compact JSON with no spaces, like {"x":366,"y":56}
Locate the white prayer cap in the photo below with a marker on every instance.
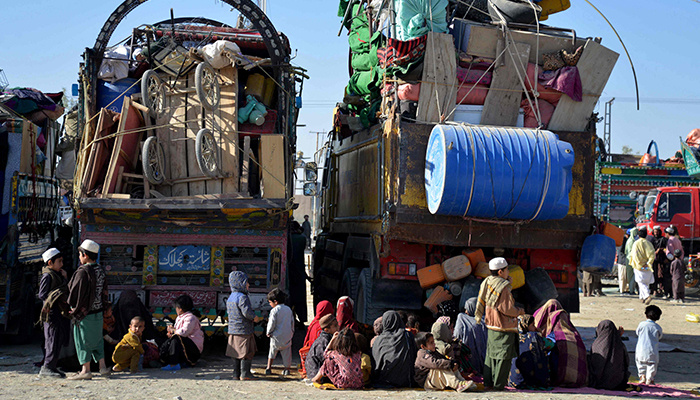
{"x":657,"y":227}
{"x":497,"y":263}
{"x":49,"y":254}
{"x":90,"y":246}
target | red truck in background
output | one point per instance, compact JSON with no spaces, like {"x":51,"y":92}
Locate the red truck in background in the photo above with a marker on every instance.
{"x":678,"y":206}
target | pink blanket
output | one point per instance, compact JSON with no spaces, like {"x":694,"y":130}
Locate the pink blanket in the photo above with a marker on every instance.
{"x":647,"y":391}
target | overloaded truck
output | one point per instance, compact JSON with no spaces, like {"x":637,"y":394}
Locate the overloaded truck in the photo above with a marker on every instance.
{"x":30,"y":201}
{"x":439,"y":153}
{"x":184,"y":172}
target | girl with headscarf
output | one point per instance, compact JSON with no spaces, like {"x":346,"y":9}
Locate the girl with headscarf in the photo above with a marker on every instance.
{"x":472,"y":335}
{"x":570,"y":352}
{"x":530,"y":368}
{"x":394,"y":353}
{"x":609,"y":360}
{"x":323,"y":308}
{"x":345,"y":315}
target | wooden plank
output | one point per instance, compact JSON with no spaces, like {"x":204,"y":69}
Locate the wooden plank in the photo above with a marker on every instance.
{"x":594,"y":66}
{"x":503,"y":100}
{"x":483,"y":41}
{"x":99,"y":151}
{"x":120,"y":180}
{"x":438,"y":93}
{"x":245,"y":167}
{"x":272,"y":158}
{"x":126,"y":146}
{"x":194,"y":113}
{"x":29,"y":135}
{"x":228,"y":120}
{"x":177,"y":149}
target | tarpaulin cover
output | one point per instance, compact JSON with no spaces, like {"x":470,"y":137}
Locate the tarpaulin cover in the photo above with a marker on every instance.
{"x":415,"y":18}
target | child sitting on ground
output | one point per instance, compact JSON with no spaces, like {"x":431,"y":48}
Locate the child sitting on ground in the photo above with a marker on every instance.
{"x":280,"y":330}
{"x":130,"y":349}
{"x":315,"y":357}
{"x":433,"y":370}
{"x":647,"y":352}
{"x":342,"y":361}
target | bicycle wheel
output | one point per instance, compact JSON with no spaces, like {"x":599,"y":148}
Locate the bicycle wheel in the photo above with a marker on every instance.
{"x":206,"y":83}
{"x":206,"y":152}
{"x":153,"y":161}
{"x":153,"y":93}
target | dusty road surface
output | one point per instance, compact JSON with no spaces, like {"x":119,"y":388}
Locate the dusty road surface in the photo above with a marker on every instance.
{"x":211,"y":379}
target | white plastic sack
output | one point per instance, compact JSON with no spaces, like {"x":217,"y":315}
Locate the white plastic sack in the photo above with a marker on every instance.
{"x":212,"y":53}
{"x":113,"y":70}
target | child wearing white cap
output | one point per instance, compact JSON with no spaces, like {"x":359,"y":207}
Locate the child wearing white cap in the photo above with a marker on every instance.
{"x":53,"y":291}
{"x":88,"y":294}
{"x":496,"y":304}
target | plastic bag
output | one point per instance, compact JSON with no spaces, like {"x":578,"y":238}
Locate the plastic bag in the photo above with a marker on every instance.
{"x":413,"y":18}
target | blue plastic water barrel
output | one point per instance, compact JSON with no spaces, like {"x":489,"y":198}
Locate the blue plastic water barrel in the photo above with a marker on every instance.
{"x":106,"y":92}
{"x":494,"y":172}
{"x":598,"y":254}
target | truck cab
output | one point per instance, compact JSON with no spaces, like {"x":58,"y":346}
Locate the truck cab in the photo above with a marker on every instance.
{"x":679,"y":206}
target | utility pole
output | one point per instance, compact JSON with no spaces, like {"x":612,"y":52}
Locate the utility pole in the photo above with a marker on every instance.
{"x":607,"y":128}
{"x":315,"y":202}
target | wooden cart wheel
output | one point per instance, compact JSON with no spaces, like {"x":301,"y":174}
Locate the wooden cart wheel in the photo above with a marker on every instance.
{"x":153,"y":93}
{"x":207,"y":85}
{"x":153,"y":161}
{"x":207,"y":153}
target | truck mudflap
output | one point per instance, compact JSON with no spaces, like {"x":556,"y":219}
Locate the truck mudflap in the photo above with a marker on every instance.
{"x":375,"y":296}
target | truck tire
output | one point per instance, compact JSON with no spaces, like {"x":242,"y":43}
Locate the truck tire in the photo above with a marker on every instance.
{"x":348,"y":286}
{"x":365,"y":313}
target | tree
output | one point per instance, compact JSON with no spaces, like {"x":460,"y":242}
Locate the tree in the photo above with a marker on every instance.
{"x":628,"y":150}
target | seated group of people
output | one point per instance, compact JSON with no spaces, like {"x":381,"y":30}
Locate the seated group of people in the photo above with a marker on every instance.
{"x":550,"y":352}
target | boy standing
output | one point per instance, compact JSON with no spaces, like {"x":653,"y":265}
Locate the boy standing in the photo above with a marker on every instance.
{"x":88,"y":294}
{"x":647,"y":352}
{"x":496,"y":303}
{"x":315,"y":356}
{"x":433,"y":370}
{"x":130,"y":349}
{"x":53,"y":291}
{"x":678,"y":276}
{"x":280,"y":330}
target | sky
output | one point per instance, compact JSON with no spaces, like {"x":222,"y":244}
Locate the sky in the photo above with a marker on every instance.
{"x":42,"y":43}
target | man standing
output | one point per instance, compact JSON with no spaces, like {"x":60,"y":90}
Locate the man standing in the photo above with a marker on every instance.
{"x":306,"y":227}
{"x":642,"y":259}
{"x":660,"y":265}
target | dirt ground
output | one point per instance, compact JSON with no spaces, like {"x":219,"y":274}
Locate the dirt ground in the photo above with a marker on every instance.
{"x":211,"y":379}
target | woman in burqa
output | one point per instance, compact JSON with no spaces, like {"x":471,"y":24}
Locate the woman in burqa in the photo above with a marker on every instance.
{"x":473,"y":336}
{"x":127,"y":307}
{"x":609,"y":361}
{"x":394,"y":353}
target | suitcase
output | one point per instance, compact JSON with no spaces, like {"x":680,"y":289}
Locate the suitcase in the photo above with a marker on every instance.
{"x":518,"y":276}
{"x":430,"y":276}
{"x":456,"y":268}
{"x":482,"y":270}
{"x":475,"y":256}
{"x":436,"y":297}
